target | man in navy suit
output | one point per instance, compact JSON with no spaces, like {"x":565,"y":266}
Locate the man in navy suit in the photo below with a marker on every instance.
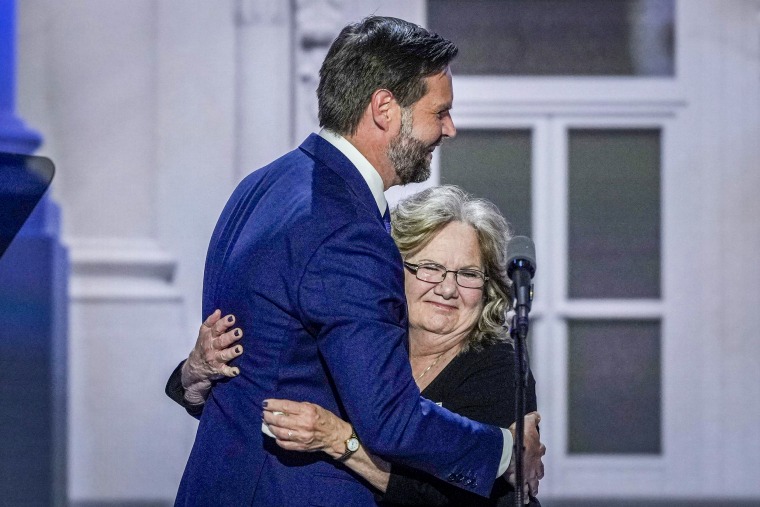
{"x":301,"y":255}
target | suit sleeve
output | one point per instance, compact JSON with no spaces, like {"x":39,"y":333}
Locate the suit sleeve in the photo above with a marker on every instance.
{"x":352,"y":299}
{"x":485,"y":393}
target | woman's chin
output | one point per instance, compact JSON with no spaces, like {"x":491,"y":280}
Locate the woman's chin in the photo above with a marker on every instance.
{"x":436,"y":326}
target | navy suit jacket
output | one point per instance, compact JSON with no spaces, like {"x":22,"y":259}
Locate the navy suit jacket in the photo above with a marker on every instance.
{"x":301,"y":257}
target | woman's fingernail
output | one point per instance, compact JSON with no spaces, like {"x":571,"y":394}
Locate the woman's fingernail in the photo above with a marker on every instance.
{"x":264,"y":404}
{"x":230,"y":319}
{"x":237,"y":350}
{"x":236,"y":372}
{"x":237,"y":333}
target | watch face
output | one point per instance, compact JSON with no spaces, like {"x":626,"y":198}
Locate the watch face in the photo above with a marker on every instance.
{"x":352,"y":444}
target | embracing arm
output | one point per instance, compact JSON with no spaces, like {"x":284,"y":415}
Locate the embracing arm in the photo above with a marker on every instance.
{"x":190,"y":383}
{"x":304,"y":426}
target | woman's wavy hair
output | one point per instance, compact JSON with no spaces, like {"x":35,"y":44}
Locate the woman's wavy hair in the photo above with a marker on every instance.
{"x":418,"y":218}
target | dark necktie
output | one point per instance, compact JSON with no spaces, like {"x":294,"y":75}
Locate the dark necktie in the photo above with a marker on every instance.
{"x":387,"y":219}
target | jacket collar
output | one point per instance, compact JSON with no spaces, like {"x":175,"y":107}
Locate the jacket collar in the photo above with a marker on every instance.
{"x":336,"y":161}
{"x":357,"y":158}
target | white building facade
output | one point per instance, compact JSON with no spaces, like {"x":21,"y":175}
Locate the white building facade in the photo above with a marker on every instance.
{"x":153,"y":110}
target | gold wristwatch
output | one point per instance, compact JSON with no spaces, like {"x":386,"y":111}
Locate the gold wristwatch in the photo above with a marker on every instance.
{"x":352,"y":445}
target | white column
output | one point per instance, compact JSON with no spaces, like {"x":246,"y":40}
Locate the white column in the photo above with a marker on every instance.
{"x":318,"y":22}
{"x":715,"y":395}
{"x":739,"y":127}
{"x":195,"y":129}
{"x":136,"y":103}
{"x":264,"y":53}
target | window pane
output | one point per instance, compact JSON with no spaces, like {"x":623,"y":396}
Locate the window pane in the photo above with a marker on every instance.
{"x":558,"y":37}
{"x":614,"y":387}
{"x":495,"y":165}
{"x":614,"y":214}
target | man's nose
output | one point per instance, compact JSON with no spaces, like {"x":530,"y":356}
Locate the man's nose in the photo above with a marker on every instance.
{"x":449,"y":130}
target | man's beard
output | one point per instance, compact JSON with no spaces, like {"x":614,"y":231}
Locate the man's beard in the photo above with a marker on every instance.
{"x":409,"y":155}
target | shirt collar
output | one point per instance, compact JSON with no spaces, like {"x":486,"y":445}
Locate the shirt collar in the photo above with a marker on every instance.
{"x":368,"y":172}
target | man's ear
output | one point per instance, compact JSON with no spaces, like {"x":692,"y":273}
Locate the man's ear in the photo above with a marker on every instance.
{"x":384,"y":108}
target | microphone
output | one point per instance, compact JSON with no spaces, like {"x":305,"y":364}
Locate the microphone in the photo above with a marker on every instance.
{"x":521,"y":266}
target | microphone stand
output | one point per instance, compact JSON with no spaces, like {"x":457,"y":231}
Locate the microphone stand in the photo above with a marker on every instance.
{"x":519,"y":334}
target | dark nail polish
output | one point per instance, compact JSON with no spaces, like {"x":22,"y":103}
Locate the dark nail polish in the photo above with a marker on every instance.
{"x":237,"y":333}
{"x":230,"y":319}
{"x":237,"y":350}
{"x":264,"y":404}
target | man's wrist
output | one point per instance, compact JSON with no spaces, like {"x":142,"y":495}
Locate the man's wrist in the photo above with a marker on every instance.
{"x":507,"y":451}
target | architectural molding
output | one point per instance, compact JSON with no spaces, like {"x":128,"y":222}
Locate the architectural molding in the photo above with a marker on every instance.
{"x":111,"y":269}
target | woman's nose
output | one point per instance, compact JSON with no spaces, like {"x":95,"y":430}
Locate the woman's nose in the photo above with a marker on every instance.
{"x":448,"y":287}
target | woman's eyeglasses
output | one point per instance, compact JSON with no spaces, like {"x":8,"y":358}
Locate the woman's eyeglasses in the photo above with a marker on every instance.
{"x":435,"y":273}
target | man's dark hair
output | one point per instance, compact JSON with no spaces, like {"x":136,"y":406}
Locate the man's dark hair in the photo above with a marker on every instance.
{"x":377,"y":53}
